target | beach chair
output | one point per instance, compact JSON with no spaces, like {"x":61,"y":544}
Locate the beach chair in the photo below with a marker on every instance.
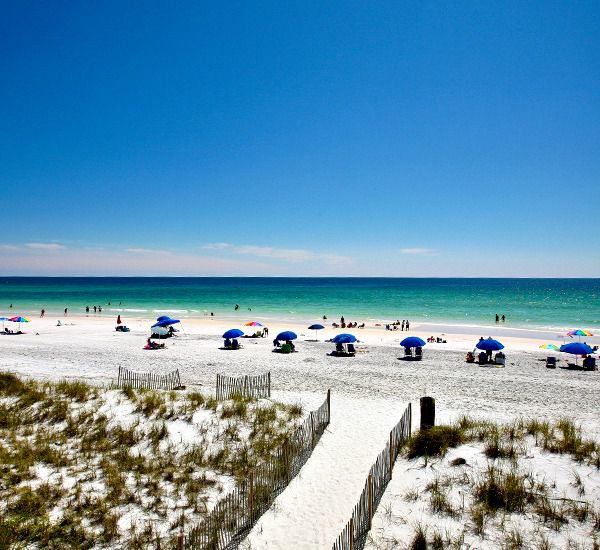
{"x":500,"y":359}
{"x":589,"y":363}
{"x":408,"y":352}
{"x":482,"y":358}
{"x":418,"y":353}
{"x":351,"y":349}
{"x":550,"y":362}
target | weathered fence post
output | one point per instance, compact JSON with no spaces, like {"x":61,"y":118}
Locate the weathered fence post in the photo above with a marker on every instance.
{"x":391,"y":453}
{"x":251,"y":496}
{"x":427,"y":412}
{"x":180,"y":541}
{"x":269,"y":384}
{"x":370,"y":503}
{"x":312,"y":430}
{"x":351,"y":534}
{"x":328,"y":406}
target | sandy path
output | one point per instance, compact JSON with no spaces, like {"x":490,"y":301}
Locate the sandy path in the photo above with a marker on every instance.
{"x":331,"y":481}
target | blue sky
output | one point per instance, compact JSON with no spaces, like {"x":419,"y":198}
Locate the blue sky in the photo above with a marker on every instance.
{"x":300,"y":138}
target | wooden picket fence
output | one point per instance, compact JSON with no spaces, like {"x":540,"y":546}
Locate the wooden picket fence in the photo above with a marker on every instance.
{"x":255,"y":387}
{"x":234,"y":516}
{"x":148,"y":380}
{"x":354,"y":535}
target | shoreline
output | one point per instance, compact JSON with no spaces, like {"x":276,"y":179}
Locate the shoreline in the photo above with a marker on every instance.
{"x":435,"y":325}
{"x":458,"y":337}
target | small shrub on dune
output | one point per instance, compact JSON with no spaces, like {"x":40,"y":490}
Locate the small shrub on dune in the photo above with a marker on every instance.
{"x":196,"y":399}
{"x":78,"y":391}
{"x":419,"y":541}
{"x":434,"y":441}
{"x":506,"y":490}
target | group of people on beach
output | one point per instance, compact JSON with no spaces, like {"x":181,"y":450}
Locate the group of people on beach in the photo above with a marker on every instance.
{"x":348,"y":325}
{"x":97,"y":309}
{"x":404,"y":325}
{"x":498,"y":318}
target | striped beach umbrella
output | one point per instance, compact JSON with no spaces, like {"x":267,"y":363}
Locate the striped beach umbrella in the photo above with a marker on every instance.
{"x":252,"y":324}
{"x":553,"y":347}
{"x":19,"y":320}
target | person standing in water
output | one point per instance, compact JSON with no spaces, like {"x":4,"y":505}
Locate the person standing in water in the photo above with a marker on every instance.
{"x":66,"y":309}
{"x":42,"y":313}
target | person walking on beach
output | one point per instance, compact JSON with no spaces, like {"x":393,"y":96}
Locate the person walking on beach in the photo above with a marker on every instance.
{"x":407,"y":325}
{"x":66,"y":309}
{"x":265,"y":331}
{"x":42,"y":313}
{"x":402,"y":326}
{"x":342,"y":322}
{"x":87,"y":309}
{"x":95,"y":309}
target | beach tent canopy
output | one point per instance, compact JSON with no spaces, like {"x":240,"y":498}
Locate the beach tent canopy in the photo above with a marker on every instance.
{"x":316,"y":327}
{"x":489,"y":345}
{"x":576,"y":348}
{"x":286,"y":335}
{"x":412,"y":342}
{"x":344,"y":339}
{"x":233,"y":333}
{"x":166,"y":322}
{"x":162,"y":318}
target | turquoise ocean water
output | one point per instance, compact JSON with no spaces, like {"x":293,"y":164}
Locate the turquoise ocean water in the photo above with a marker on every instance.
{"x":534,"y":303}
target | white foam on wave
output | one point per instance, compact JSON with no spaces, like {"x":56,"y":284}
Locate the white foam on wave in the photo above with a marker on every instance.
{"x":131,"y":310}
{"x":170,"y":310}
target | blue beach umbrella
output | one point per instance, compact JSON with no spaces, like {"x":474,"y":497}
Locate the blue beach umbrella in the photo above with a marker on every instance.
{"x":489,"y":345}
{"x":166,"y":322}
{"x":412,"y":342}
{"x":316,"y":328}
{"x":233,"y":333}
{"x":576,"y":348}
{"x":286,"y":335}
{"x":344,"y":339}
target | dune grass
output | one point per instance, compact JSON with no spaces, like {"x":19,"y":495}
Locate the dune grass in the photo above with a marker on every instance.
{"x":482,"y":500}
{"x":82,"y":466}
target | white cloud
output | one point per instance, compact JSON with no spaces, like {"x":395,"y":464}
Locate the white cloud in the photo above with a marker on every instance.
{"x":217,"y":246}
{"x":291,"y":255}
{"x":143,"y":251}
{"x":45,"y":246}
{"x":417,"y":251}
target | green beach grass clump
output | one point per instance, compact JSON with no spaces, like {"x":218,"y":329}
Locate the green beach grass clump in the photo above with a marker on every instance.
{"x":434,"y":441}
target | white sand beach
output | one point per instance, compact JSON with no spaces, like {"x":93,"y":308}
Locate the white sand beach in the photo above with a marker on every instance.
{"x":369,"y":392}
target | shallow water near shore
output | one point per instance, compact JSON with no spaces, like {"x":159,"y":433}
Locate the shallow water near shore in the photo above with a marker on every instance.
{"x":527,"y":303}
